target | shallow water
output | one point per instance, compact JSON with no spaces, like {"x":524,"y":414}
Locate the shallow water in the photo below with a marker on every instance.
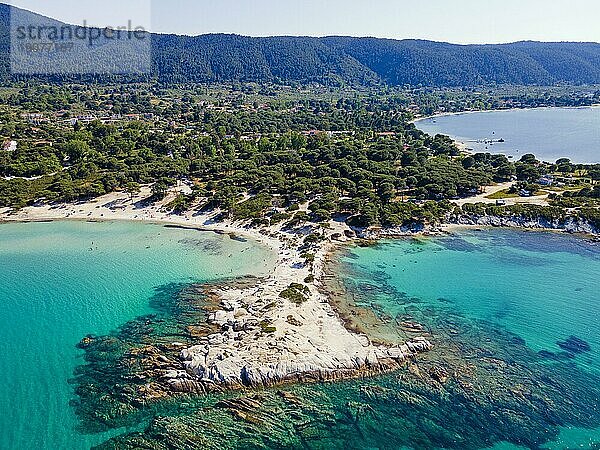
{"x":541,"y":286}
{"x":489,"y":302}
{"x":62,"y":281}
{"x":549,"y":133}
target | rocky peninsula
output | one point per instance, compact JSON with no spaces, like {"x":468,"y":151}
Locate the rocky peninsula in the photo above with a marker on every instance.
{"x":277,"y":330}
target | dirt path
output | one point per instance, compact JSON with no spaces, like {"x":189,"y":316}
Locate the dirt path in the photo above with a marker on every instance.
{"x":541,"y":200}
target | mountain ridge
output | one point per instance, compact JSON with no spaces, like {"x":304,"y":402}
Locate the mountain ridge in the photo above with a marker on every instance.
{"x":227,"y":57}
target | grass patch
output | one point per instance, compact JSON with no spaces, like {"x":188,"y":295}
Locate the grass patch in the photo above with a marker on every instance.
{"x":500,"y":195}
{"x":296,"y":293}
{"x":267,"y":328}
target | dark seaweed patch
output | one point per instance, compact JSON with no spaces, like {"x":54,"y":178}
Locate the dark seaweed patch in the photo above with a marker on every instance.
{"x":574,"y":345}
{"x":208,"y":246}
{"x":458,"y":245}
{"x":480,"y":385}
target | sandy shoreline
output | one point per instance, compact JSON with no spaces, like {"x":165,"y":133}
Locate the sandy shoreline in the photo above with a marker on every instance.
{"x":264,"y":339}
{"x":460,"y":113}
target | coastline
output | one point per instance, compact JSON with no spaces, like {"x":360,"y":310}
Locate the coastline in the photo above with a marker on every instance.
{"x":461,"y":144}
{"x":472,"y":145}
{"x":263,"y":338}
{"x":460,"y":113}
{"x":222,"y":343}
{"x":471,"y":365}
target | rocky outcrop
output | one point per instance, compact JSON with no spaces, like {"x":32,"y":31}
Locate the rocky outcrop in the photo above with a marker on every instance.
{"x":265,"y":339}
{"x":238,"y":334}
{"x":571,"y":224}
{"x":217,"y":365}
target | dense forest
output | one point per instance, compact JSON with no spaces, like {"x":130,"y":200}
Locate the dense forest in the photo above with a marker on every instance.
{"x":370,"y":60}
{"x":344,"y":60}
{"x":364,"y":172}
{"x":359,"y":158}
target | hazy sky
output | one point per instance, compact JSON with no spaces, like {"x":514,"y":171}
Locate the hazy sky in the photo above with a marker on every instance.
{"x":460,"y":21}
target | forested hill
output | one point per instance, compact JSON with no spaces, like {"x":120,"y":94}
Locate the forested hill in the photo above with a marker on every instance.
{"x":368,"y":60}
{"x":364,"y":61}
{"x":440,"y":64}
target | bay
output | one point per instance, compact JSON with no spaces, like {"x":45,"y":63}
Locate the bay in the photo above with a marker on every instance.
{"x":548,"y":133}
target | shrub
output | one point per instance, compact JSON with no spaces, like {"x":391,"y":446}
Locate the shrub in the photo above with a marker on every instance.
{"x":296,"y":293}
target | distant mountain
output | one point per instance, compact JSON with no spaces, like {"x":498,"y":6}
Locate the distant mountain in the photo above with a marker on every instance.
{"x":362,"y":61}
{"x":219,"y":57}
{"x":440,"y":64}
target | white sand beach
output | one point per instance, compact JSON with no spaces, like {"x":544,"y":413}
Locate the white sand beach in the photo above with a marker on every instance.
{"x":264,"y":339}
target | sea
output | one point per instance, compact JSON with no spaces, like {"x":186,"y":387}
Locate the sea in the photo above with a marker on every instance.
{"x":548,"y":133}
{"x":515,"y":364}
{"x":62,"y":281}
{"x":512,"y":316}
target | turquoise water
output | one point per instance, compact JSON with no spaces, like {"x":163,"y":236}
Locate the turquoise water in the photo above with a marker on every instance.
{"x":495,"y":304}
{"x":549,"y":133}
{"x":62,"y":281}
{"x":543,"y":287}
{"x":540,"y":286}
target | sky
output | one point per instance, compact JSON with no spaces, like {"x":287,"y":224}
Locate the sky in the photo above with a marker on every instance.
{"x":457,"y":21}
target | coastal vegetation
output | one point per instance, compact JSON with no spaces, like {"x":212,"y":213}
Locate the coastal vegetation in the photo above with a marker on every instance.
{"x":291,"y":160}
{"x":296,"y":293}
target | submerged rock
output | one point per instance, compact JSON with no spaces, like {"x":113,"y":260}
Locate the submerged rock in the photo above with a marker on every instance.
{"x":476,"y":387}
{"x":560,"y":356}
{"x":574,"y":345}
